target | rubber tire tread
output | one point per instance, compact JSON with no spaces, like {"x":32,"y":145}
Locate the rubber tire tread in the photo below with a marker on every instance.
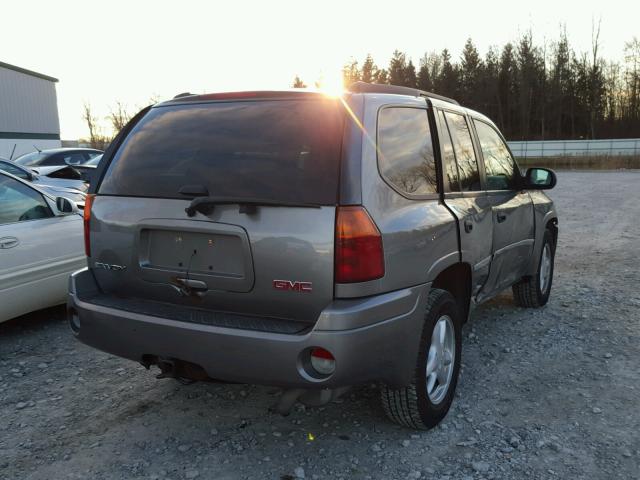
{"x":526,"y":292}
{"x":402,"y":405}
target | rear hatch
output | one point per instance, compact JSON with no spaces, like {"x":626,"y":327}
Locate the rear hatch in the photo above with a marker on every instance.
{"x":259,"y":245}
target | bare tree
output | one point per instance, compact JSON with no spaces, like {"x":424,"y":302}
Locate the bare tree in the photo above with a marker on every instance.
{"x":632,"y":77}
{"x":96,"y":138}
{"x":119,"y":117}
{"x":596,"y":80}
{"x":91,"y":121}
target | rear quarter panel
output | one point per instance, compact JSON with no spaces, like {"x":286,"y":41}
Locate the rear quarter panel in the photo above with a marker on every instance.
{"x":420,"y":237}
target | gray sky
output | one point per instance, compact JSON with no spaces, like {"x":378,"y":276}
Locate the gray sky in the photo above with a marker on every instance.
{"x":105,"y":51}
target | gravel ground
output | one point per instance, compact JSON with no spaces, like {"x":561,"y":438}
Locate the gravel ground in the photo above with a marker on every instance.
{"x":552,"y":393}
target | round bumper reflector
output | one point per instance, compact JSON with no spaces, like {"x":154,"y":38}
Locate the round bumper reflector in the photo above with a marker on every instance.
{"x":322,"y":361}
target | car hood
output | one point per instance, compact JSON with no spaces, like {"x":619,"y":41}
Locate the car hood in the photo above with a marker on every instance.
{"x":48,"y":170}
{"x":62,"y":184}
{"x":77,"y":196}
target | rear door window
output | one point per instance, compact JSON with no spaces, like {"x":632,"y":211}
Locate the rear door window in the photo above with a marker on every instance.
{"x":277,"y":150}
{"x":405,"y":150}
{"x":448,"y":157}
{"x":465,"y":155}
{"x":498,"y":162}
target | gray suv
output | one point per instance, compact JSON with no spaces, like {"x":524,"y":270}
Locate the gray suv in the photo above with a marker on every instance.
{"x":309,"y":242}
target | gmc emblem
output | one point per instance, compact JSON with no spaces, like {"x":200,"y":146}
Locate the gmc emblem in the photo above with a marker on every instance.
{"x":289,"y":286}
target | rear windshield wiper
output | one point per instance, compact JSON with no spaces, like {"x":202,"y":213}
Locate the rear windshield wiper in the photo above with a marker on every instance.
{"x":205,"y":205}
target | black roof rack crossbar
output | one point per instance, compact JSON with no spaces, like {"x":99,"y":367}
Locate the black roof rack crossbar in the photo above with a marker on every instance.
{"x":364,"y":87}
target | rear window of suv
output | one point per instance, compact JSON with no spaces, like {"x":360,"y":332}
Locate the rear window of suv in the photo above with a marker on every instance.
{"x":280,"y":150}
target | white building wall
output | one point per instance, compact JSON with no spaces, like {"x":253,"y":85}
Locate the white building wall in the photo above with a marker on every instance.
{"x":23,"y":146}
{"x":28,"y":113}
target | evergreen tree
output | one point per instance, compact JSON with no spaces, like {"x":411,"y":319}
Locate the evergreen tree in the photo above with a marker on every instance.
{"x":410,"y":79}
{"x":488,"y":94}
{"x":382,"y":77}
{"x":528,"y":94}
{"x":531,"y":72}
{"x":397,"y":68}
{"x":298,"y":83}
{"x":560,"y":91}
{"x":369,"y":71}
{"x":350,"y":73}
{"x":470,"y":73}
{"x":425,"y":81}
{"x":508,"y":90}
{"x":447,"y":82}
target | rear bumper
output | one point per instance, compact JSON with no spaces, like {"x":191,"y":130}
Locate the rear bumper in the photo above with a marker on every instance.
{"x":372,"y":339}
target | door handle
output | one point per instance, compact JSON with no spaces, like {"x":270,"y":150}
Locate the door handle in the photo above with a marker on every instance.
{"x":468,"y":226}
{"x":501,"y":217}
{"x":8,"y":242}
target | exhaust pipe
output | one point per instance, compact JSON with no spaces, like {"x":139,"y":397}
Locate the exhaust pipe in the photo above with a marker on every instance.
{"x":183,"y":371}
{"x":167,"y":368}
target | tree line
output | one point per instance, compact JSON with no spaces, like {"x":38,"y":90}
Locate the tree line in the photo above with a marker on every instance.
{"x":532,"y":92}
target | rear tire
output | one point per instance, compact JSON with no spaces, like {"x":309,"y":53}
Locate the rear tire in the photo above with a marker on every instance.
{"x":426,"y":401}
{"x":534,"y":291}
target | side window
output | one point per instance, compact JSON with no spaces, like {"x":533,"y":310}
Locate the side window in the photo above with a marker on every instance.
{"x":463,"y":148}
{"x":498,"y":163}
{"x":13,"y":170}
{"x":405,"y":150}
{"x":52,"y":160}
{"x":74,"y":158}
{"x":448,"y":157}
{"x":18,"y":202}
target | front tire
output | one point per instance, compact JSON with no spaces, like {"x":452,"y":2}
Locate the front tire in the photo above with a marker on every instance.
{"x":534,"y":291}
{"x":426,"y":401}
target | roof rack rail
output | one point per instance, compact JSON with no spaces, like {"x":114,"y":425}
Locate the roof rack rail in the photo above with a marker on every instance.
{"x":184,"y":94}
{"x":364,"y":87}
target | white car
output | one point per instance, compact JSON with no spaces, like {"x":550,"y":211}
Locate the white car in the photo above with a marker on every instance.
{"x":41,"y":244}
{"x":60,"y":180}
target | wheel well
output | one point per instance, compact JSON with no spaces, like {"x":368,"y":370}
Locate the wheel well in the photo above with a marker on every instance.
{"x":552,"y":225}
{"x":456,"y":279}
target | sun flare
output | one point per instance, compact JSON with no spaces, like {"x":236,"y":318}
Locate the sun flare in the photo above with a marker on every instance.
{"x":332,"y":85}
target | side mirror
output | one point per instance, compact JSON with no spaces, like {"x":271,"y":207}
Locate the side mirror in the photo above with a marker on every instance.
{"x":539,"y":178}
{"x":66,"y":206}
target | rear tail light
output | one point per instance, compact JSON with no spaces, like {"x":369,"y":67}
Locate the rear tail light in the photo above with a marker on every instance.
{"x":86,"y":215}
{"x":359,"y":256}
{"x":322,"y":361}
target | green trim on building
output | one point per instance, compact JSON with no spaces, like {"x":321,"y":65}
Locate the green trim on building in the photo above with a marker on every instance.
{"x":32,"y":136}
{"x":27,"y":72}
